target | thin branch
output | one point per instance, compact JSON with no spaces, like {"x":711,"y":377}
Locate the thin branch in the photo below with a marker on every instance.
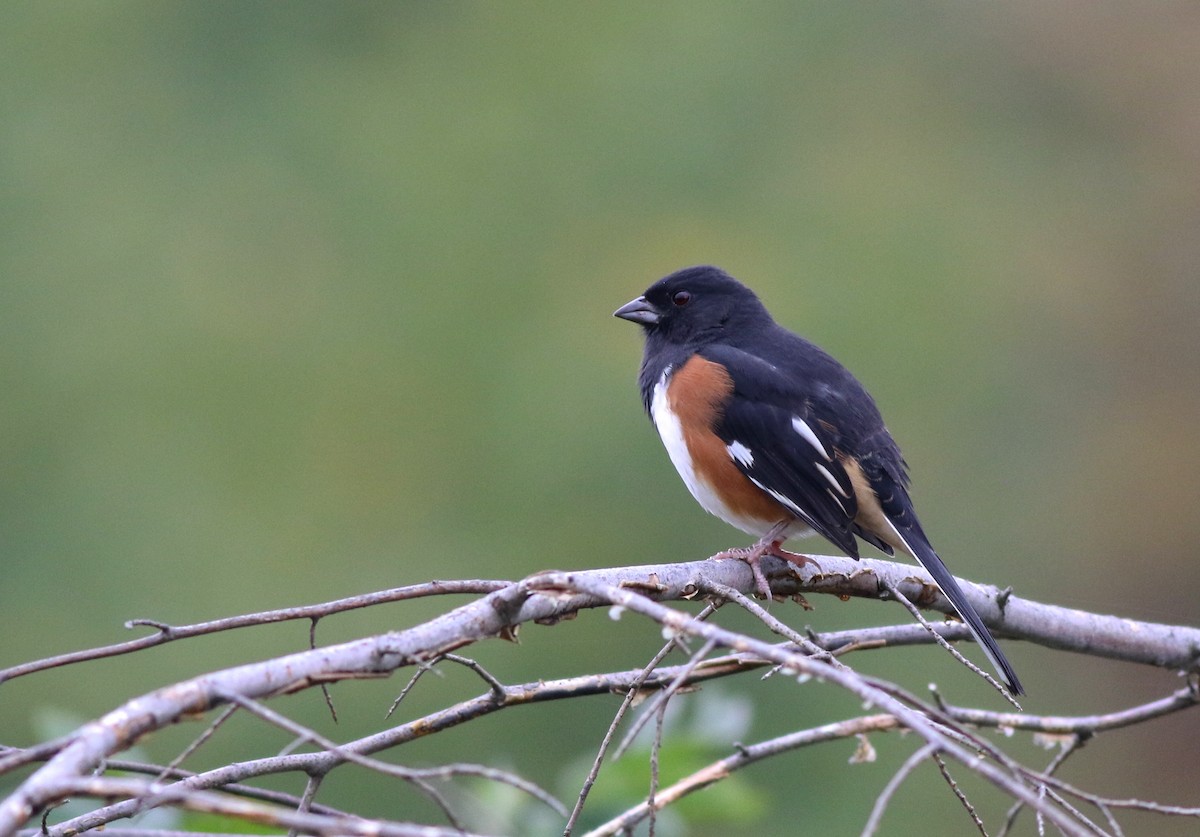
{"x":312,"y":644}
{"x":889,"y":790}
{"x":305,"y":735}
{"x":655,"y":749}
{"x":495,"y":685}
{"x":169,"y":633}
{"x":958,"y":792}
{"x":632,"y":692}
{"x":1060,"y":757}
{"x":159,"y":773}
{"x":1084,"y":725}
{"x":589,"y":781}
{"x":916,"y":721}
{"x":743,"y":601}
{"x":553,"y":596}
{"x":954,"y":652}
{"x":659,"y":701}
{"x":12,"y":758}
{"x":215,"y":803}
{"x":631,"y":683}
{"x":162,"y":832}
{"x":421,"y":669}
{"x":405,"y":773}
{"x":1109,"y":802}
{"x":745,"y":755}
{"x":306,"y":801}
{"x":1048,"y":792}
{"x":208,"y":733}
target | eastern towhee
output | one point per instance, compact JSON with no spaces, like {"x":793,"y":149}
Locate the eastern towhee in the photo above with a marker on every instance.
{"x":774,"y":436}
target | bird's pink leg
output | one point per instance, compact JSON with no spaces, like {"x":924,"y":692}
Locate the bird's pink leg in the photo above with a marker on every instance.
{"x":768,"y":544}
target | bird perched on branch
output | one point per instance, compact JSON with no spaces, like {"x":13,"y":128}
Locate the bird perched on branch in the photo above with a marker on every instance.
{"x":774,"y":436}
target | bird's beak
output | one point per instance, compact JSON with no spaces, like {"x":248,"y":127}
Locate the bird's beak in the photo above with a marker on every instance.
{"x":638,"y":311}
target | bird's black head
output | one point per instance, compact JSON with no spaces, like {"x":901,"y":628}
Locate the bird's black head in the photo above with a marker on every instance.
{"x":694,"y":306}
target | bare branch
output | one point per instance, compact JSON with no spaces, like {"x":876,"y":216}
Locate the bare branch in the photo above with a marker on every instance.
{"x":915,"y":721}
{"x":318,"y":764}
{"x":168,"y":633}
{"x":208,"y":733}
{"x":159,"y":773}
{"x":548,"y":597}
{"x":405,"y":773}
{"x":1073,"y":744}
{"x":775,"y":625}
{"x":632,"y":691}
{"x":889,"y":790}
{"x":958,"y":792}
{"x":745,"y":755}
{"x":659,"y":702}
{"x":912,"y":608}
{"x":213,"y":803}
{"x":1083,"y":726}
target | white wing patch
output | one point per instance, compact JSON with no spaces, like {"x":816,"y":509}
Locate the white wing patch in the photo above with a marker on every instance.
{"x":783,"y":499}
{"x":828,"y":476}
{"x":837,"y":500}
{"x":740,"y":453}
{"x":806,"y":432}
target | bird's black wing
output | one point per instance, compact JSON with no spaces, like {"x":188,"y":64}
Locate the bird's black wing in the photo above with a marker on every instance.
{"x":776,"y":440}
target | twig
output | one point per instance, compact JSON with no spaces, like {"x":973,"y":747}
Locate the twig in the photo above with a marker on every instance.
{"x":306,"y":801}
{"x":208,"y":733}
{"x":495,"y":685}
{"x":303,"y":734}
{"x":759,"y":612}
{"x":954,"y":652}
{"x":1084,"y":725}
{"x":215,"y":803}
{"x":660,"y":713}
{"x":745,"y":755}
{"x":552,"y":596}
{"x":659,"y":701}
{"x":422,"y":668}
{"x":631,"y":693}
{"x":1073,"y":744}
{"x":915,"y":721}
{"x":312,"y":644}
{"x":405,"y":773}
{"x":958,"y":791}
{"x":889,"y":790}
{"x":655,"y":749}
{"x":169,"y":633}
{"x":320,"y":763}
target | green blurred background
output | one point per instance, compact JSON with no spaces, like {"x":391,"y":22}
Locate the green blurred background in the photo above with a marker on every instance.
{"x":310,"y":299}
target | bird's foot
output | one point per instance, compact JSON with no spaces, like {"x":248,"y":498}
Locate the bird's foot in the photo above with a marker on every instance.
{"x":752,"y":555}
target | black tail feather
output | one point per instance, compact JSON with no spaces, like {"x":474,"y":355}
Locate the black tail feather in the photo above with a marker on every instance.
{"x":921,"y":550}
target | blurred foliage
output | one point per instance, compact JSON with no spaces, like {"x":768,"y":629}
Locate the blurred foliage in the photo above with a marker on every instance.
{"x":307,"y":299}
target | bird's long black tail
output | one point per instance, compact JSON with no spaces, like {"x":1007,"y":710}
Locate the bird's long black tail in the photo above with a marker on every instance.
{"x":919,"y":548}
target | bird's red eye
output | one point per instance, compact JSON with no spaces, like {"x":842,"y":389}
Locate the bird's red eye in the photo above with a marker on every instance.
{"x":681,"y":298}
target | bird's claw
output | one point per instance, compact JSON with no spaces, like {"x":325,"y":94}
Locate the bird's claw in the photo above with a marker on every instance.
{"x":752,"y":555}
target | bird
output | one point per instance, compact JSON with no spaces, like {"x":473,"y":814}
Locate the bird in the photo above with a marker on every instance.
{"x":774,"y":436}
